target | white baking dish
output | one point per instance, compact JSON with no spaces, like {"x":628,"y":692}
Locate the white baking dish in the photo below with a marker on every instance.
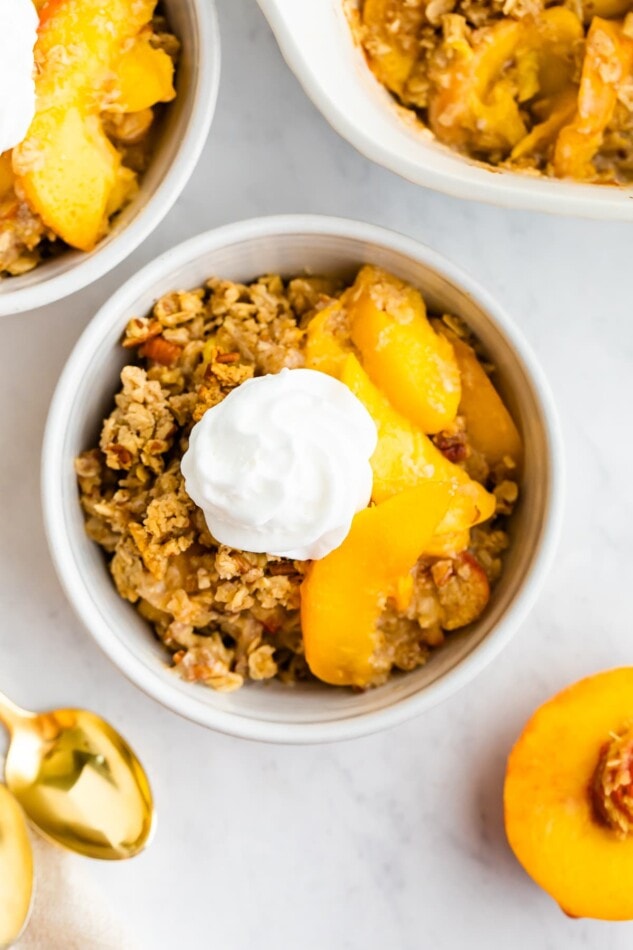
{"x":317,"y":43}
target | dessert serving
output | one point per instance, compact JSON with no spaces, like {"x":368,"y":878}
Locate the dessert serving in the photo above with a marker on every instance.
{"x":545,"y":88}
{"x":302,"y":479}
{"x":76,"y":138}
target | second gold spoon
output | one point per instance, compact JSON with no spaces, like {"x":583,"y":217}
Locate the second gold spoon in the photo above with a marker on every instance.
{"x":78,"y":781}
{"x":16,"y":869}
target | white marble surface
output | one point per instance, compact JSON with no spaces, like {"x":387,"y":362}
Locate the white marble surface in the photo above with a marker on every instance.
{"x":395,"y":840}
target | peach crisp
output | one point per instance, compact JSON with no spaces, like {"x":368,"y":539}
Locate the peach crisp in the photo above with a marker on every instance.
{"x":422,"y":551}
{"x":546,"y":88}
{"x":101,"y":70}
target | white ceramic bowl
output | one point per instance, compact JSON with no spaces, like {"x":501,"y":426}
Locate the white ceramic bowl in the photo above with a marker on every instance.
{"x":316,"y":41}
{"x":307,"y":713}
{"x":184,"y":130}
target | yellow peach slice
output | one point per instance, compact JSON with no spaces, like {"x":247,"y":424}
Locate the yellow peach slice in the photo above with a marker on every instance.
{"x":73,"y":174}
{"x":77,"y":43}
{"x":474,"y":104}
{"x":7,"y":178}
{"x":144,"y":77}
{"x":392,"y":41}
{"x":66,"y":166}
{"x":343,"y":593}
{"x":559,"y":110}
{"x":405,"y":456}
{"x":557,"y":34}
{"x":606,"y":67}
{"x":491,"y":428}
{"x":326,"y":348}
{"x":471,"y":105}
{"x":402,"y":354}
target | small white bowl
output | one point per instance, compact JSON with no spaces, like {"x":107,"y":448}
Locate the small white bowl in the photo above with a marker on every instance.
{"x":184,"y":130}
{"x":317,"y":43}
{"x":84,"y":396}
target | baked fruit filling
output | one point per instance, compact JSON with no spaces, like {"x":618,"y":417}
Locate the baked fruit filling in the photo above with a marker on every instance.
{"x":415,"y":561}
{"x":101,"y":71}
{"x":523,"y":84}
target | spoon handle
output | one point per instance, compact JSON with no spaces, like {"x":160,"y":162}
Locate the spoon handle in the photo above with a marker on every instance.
{"x":10,"y":714}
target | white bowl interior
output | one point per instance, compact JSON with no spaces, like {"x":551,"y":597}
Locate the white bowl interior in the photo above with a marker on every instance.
{"x":85,"y":396}
{"x":317,"y":42}
{"x":182,"y":133}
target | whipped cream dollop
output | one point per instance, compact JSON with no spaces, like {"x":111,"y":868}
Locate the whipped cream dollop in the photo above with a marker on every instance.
{"x":18,"y":33}
{"x":281,"y":465}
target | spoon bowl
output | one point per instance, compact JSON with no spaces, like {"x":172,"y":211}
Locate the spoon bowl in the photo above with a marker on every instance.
{"x":78,"y":781}
{"x":16,"y":869}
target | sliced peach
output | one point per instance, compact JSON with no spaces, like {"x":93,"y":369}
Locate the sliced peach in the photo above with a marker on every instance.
{"x":66,"y":166}
{"x":557,"y":33}
{"x":569,"y":797}
{"x":7,"y":178}
{"x":77,"y":43}
{"x":75,"y":172}
{"x":405,"y":456}
{"x":413,"y":366}
{"x":474,"y":104}
{"x":343,"y":594}
{"x":392,"y":40}
{"x":559,"y":110}
{"x":491,"y":428}
{"x":144,"y":77}
{"x":124,"y":189}
{"x":471,"y":104}
{"x":326,"y":347}
{"x":606,"y":67}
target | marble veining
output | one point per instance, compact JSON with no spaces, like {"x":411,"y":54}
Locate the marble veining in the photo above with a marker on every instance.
{"x":393,"y":841}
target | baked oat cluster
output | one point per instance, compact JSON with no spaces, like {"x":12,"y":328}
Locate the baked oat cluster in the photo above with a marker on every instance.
{"x":228,"y":616}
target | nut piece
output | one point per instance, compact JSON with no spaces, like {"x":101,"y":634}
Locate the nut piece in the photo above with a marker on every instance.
{"x":161,"y":351}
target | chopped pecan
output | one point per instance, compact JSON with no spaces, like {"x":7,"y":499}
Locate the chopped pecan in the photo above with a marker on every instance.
{"x":139,"y":331}
{"x":281,"y":568}
{"x":442,"y":571}
{"x":227,"y":357}
{"x":161,"y":351}
{"x":452,"y":445}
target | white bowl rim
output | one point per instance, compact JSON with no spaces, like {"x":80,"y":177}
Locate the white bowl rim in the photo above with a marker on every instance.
{"x":71,"y":577}
{"x":478,"y":182}
{"x":95,"y":264}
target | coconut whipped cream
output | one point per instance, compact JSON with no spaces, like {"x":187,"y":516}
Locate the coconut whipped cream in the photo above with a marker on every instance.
{"x":18,"y":33}
{"x":281,"y":465}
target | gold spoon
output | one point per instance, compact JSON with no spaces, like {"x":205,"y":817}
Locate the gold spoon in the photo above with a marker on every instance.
{"x":78,"y":781}
{"x":16,"y":869}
